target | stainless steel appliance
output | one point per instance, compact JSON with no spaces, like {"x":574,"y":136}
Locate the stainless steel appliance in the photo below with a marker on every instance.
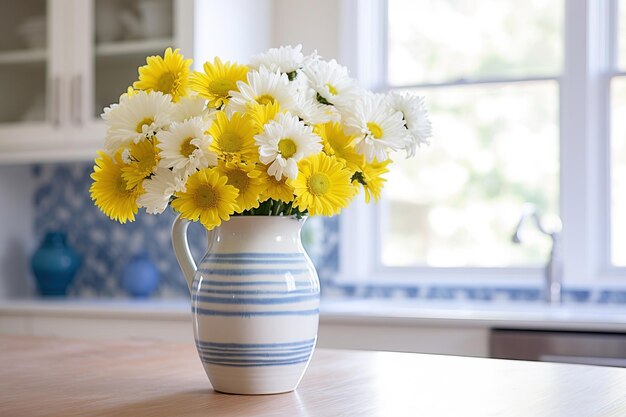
{"x":591,"y":348}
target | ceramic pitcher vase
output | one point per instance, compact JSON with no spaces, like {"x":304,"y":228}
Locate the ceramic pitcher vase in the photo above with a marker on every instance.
{"x":255,"y":303}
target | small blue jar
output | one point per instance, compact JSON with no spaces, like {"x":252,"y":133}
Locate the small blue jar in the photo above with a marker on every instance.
{"x":54,"y":265}
{"x":140,"y":278}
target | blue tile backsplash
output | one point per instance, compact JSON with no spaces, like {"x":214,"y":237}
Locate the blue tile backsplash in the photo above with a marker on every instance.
{"x":62,"y":203}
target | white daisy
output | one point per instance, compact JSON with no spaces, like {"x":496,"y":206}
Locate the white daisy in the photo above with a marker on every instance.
{"x":189,"y":107}
{"x":136,"y":117}
{"x":332,"y":83}
{"x":286,"y":59}
{"x":311,"y":59}
{"x":283,"y":142}
{"x":415,"y":117}
{"x":185,"y":147}
{"x":312,"y":111}
{"x":378,"y":127}
{"x":159,"y":189}
{"x":126,"y":156}
{"x":264,"y":87}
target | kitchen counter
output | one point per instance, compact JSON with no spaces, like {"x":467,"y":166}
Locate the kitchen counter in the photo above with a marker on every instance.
{"x":517,"y":315}
{"x":53,"y":377}
{"x":453,"y":328}
{"x":514,"y":315}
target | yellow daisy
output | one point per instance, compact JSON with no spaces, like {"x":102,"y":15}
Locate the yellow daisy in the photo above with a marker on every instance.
{"x":275,"y":189}
{"x":246,"y":180}
{"x":143,"y":159}
{"x":207,"y":197}
{"x":168,"y":74}
{"x":130,"y":92}
{"x":370,"y":177}
{"x":337,"y":142}
{"x":260,"y":114}
{"x":217,"y":81}
{"x":233,"y":139}
{"x":323,"y":185}
{"x":109,"y":190}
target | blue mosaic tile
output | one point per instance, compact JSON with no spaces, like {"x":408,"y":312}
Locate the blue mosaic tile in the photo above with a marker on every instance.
{"x":436,"y":292}
{"x":62,"y":202}
{"x":441,"y":293}
{"x":611,"y":296}
{"x":411,"y":292}
{"x":577,"y":296}
{"x":481,"y":294}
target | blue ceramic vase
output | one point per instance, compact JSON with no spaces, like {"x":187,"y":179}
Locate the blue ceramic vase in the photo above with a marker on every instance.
{"x":54,"y":265}
{"x":140,"y":278}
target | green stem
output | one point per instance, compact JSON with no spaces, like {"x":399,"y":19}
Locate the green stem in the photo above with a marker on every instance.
{"x":261,"y":210}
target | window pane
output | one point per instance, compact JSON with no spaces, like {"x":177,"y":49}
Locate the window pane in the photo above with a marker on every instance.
{"x":618,"y":172}
{"x":439,"y":40}
{"x":458,"y":202}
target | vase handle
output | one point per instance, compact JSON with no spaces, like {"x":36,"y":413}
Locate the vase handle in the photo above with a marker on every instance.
{"x":181,"y":249}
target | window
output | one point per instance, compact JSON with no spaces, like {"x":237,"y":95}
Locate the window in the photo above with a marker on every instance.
{"x":489,"y":71}
{"x":618,"y":147}
{"x":519,"y":96}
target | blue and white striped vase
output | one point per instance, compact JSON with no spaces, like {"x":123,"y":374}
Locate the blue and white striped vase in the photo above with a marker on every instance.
{"x":255,"y":303}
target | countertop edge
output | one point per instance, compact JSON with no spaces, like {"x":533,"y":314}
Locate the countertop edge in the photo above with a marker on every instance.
{"x":333,"y":313}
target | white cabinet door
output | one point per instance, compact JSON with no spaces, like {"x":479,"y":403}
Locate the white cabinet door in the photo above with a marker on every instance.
{"x":54,"y":91}
{"x":33,"y":59}
{"x":118,"y":38}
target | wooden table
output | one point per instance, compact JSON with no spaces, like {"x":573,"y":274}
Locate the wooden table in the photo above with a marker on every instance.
{"x":60,"y":377}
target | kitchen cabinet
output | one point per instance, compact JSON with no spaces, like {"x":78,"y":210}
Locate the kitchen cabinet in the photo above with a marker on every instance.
{"x":62,"y":61}
{"x":171,"y":321}
{"x":444,"y":329}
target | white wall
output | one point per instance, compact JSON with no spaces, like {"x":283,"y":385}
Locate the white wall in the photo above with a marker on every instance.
{"x":314,"y":24}
{"x":233,"y":30}
{"x":16,"y":231}
{"x":238,"y":29}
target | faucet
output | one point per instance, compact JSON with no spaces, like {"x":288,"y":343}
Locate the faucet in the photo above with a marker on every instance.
{"x":554,"y":269}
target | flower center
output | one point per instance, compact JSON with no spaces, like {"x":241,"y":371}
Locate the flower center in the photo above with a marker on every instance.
{"x":187,"y":148}
{"x":221,"y":87}
{"x":265,"y":99}
{"x":375,"y":129}
{"x":287,"y":147}
{"x":276,"y":182}
{"x":230,"y":142}
{"x":122,"y":186}
{"x":145,"y":121}
{"x":342,"y":153}
{"x":238,"y":179}
{"x":319,"y":183}
{"x":146,"y":165}
{"x":166,"y":83}
{"x":331,"y":89}
{"x":205,"y":197}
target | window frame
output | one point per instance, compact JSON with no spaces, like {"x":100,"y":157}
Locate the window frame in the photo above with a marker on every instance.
{"x":590,"y":63}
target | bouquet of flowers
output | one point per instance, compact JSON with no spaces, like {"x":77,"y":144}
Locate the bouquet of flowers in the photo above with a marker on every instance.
{"x":286,"y":134}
